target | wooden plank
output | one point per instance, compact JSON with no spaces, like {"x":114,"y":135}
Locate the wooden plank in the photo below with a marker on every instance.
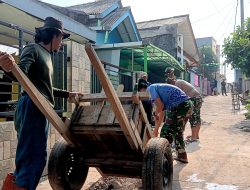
{"x":143,"y":113}
{"x":136,"y":113}
{"x":140,"y":127}
{"x":42,"y":104}
{"x":88,"y":116}
{"x":94,"y":116}
{"x":97,"y":114}
{"x":148,"y":134}
{"x":76,"y":115}
{"x":107,"y":116}
{"x":124,"y":96}
{"x":101,"y":103}
{"x":128,"y":109}
{"x":95,"y":162}
{"x":138,"y":138}
{"x":112,"y":97}
{"x":97,"y":130}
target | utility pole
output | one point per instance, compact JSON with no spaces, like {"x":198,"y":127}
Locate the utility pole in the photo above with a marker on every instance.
{"x":242,"y":13}
{"x":243,"y":77}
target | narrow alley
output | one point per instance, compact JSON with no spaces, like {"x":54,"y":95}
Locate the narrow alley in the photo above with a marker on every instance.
{"x":221,"y":160}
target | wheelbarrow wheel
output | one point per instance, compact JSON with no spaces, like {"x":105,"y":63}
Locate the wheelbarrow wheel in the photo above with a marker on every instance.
{"x":66,"y":168}
{"x":157,"y":166}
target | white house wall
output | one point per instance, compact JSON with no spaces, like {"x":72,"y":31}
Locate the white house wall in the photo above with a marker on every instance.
{"x":109,"y":56}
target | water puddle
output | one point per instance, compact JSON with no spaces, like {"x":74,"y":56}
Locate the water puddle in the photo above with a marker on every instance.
{"x":214,"y":186}
{"x":193,"y":178}
{"x":210,"y":186}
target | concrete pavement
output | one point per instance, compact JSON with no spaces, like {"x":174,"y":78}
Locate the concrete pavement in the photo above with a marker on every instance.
{"x":221,"y":159}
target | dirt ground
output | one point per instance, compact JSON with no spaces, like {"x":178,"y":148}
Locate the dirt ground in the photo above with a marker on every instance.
{"x":219,"y":161}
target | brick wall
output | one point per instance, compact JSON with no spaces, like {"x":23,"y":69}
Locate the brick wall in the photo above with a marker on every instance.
{"x":8,"y":143}
{"x":79,"y":70}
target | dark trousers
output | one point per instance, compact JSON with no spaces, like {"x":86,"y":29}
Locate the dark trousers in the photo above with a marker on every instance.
{"x":223,"y":91}
{"x":32,"y":133}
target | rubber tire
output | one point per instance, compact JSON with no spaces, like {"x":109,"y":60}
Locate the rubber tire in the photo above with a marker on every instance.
{"x":66,"y":168}
{"x":157,"y":166}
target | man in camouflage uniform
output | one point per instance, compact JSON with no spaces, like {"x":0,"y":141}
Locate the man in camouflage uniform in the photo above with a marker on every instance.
{"x":195,"y":119}
{"x":178,"y":105}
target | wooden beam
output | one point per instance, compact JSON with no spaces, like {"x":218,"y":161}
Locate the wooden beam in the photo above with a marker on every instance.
{"x":124,"y":96}
{"x":95,"y":162}
{"x":143,"y":113}
{"x":97,"y":130}
{"x":112,"y":97}
{"x":136,"y":134}
{"x":42,"y":104}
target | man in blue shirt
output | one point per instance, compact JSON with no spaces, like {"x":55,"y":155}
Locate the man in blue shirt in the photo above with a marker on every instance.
{"x":179,"y":108}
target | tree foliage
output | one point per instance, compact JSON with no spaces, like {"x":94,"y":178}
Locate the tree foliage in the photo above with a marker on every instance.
{"x":207,"y":55}
{"x":209,"y":62}
{"x":236,"y":48}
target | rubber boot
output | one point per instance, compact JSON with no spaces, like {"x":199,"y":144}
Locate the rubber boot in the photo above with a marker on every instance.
{"x":182,"y":157}
{"x":9,"y":183}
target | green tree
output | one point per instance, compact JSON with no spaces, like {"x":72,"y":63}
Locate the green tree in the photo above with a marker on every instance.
{"x":236,"y":48}
{"x":209,"y":62}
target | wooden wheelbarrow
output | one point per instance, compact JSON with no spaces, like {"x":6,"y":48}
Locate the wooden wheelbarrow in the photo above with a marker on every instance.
{"x":114,"y":137}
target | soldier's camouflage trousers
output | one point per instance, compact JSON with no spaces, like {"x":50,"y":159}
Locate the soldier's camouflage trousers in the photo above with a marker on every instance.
{"x":174,"y":124}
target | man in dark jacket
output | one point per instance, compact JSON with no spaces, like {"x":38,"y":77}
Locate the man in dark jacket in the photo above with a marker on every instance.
{"x":31,"y":125}
{"x":223,"y":87}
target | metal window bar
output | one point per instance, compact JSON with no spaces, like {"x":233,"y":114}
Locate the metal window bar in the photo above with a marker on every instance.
{"x":8,"y":98}
{"x":117,"y":75}
{"x":8,"y":101}
{"x":60,"y":77}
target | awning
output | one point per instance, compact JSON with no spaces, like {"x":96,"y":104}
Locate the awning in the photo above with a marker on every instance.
{"x":136,"y":56}
{"x":151,"y":57}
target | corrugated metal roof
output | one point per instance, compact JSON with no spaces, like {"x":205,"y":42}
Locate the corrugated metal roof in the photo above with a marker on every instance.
{"x":157,"y":58}
{"x":113,"y":17}
{"x":161,"y":22}
{"x":96,"y":7}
